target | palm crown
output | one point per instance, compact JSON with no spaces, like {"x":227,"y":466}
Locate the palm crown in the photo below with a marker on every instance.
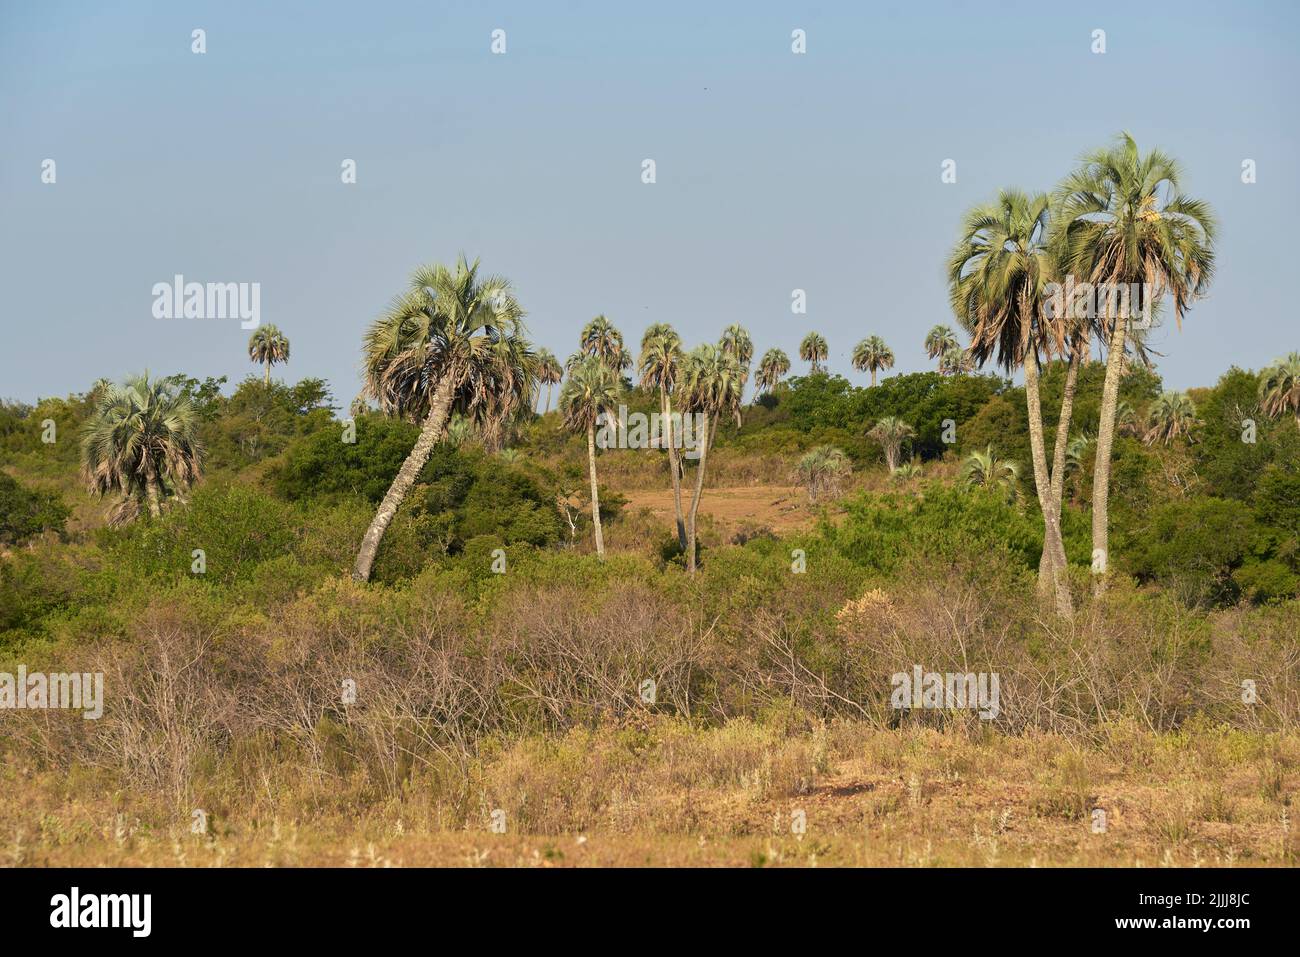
{"x":872,"y":355}
{"x":814,"y":350}
{"x":140,"y":439}
{"x":771,"y":368}
{"x":268,"y":346}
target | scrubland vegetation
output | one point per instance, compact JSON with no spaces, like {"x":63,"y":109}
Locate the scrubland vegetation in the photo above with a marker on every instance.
{"x":432,"y":628}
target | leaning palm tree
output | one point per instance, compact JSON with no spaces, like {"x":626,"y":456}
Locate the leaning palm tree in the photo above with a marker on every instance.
{"x":1279,"y":387}
{"x":814,"y":351}
{"x":872,"y":355}
{"x":986,"y":470}
{"x":599,"y":338}
{"x":549,"y":372}
{"x":140,"y":441}
{"x":939,"y":340}
{"x":452,"y":343}
{"x":998,"y":274}
{"x":771,"y":368}
{"x":1172,"y":415}
{"x":1124,"y":220}
{"x":891,"y":432}
{"x":659,"y":365}
{"x":267,"y":346}
{"x":735,"y":342}
{"x":711,"y":386}
{"x":591,"y":390}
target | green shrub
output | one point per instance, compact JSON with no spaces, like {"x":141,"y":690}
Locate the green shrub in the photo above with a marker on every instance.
{"x":26,"y":512}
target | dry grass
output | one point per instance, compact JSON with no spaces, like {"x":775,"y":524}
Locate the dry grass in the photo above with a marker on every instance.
{"x":659,"y":792}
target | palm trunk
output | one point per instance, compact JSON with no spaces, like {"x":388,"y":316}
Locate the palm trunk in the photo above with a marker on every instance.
{"x":666,"y":405}
{"x":266,"y":379}
{"x":430,"y":433}
{"x":154,"y":494}
{"x":695,"y":502}
{"x":1055,"y":583}
{"x":1062,"y":440}
{"x":595,"y":493}
{"x":1105,"y":442}
{"x":873,"y":378}
{"x":548,"y":398}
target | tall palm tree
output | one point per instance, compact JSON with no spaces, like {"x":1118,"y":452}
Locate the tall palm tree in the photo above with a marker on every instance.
{"x":997,"y":275}
{"x":1172,"y":415}
{"x":814,"y":351}
{"x":549,"y":372}
{"x":711,"y":385}
{"x":599,"y":338}
{"x":939,"y":340}
{"x":771,"y":368}
{"x":871,"y":354}
{"x":1279,"y":387}
{"x":139,"y":440}
{"x":267,"y":346}
{"x":735,"y":342}
{"x":659,"y":366}
{"x":591,"y":389}
{"x":986,"y":470}
{"x":452,"y":343}
{"x":1125,"y":220}
{"x":891,"y":432}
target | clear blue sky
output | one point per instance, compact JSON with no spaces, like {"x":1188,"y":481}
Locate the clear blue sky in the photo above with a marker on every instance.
{"x":775,"y":171}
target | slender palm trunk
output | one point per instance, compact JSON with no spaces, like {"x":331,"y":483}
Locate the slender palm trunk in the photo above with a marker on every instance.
{"x":1062,"y":441}
{"x":695,"y":502}
{"x":266,"y":379}
{"x":430,"y":432}
{"x":674,"y":464}
{"x":595,"y":493}
{"x":1105,"y":442}
{"x":1056,"y":582}
{"x":548,"y":398}
{"x":873,"y":378}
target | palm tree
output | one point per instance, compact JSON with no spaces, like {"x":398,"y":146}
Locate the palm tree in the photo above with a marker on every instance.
{"x":938,"y":341}
{"x":891,"y":432}
{"x":986,"y":470}
{"x":955,"y":361}
{"x":452,"y":343}
{"x":1124,"y":220}
{"x":822,"y":469}
{"x":907,"y":471}
{"x":659,"y":365}
{"x":711,"y":386}
{"x":1279,"y":387}
{"x":139,"y":440}
{"x":267,"y":346}
{"x":459,"y":430}
{"x":814,"y":351}
{"x":592,"y":388}
{"x":549,"y":372}
{"x":735,"y":342}
{"x":872,"y":355}
{"x":1172,"y":415}
{"x":771,"y":368}
{"x":599,"y":338}
{"x":998,"y":274}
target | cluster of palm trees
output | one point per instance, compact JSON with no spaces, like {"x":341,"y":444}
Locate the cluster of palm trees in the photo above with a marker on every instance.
{"x":454,"y":344}
{"x":1120,"y":218}
{"x":709,"y":381}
